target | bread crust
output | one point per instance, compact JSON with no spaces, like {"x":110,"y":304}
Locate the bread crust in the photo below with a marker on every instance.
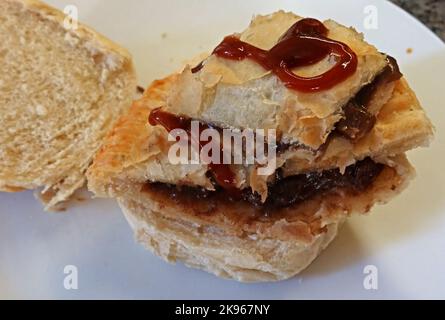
{"x":83,"y":31}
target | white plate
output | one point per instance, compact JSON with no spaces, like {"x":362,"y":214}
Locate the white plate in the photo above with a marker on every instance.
{"x":405,"y":240}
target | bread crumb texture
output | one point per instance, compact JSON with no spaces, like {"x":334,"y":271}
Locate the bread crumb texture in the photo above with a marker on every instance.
{"x":60,"y":92}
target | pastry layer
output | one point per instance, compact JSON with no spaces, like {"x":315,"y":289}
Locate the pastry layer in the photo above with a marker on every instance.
{"x":241,"y":94}
{"x":138,"y":152}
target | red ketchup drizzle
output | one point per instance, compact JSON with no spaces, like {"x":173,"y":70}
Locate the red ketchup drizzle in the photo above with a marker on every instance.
{"x":304,"y":44}
{"x":221,"y":172}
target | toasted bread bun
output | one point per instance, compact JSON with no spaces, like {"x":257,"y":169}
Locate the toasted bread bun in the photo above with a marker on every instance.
{"x":231,"y":240}
{"x":61,"y":90}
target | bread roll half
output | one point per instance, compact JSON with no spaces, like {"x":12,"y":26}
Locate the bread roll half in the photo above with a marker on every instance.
{"x":61,"y":89}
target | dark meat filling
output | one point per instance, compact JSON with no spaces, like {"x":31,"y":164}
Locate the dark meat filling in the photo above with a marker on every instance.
{"x":287,"y":191}
{"x":357,"y":121}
